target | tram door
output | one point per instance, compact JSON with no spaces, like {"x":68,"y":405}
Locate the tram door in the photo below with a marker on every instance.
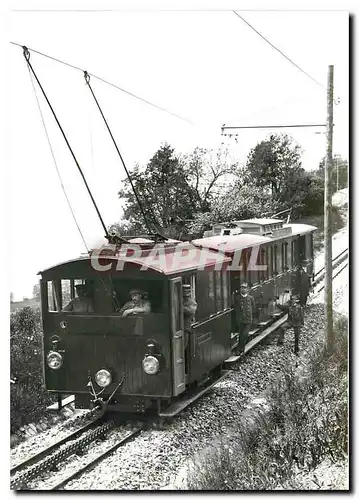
{"x":178,"y":339}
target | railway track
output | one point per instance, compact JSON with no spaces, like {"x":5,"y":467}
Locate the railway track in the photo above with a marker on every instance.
{"x":340,"y":261}
{"x":74,"y":444}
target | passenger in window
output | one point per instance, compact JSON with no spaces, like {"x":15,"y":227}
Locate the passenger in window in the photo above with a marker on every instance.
{"x":82,"y":303}
{"x":139,"y":304}
{"x":189,"y":307}
{"x":189,"y":311}
{"x":245,"y":308}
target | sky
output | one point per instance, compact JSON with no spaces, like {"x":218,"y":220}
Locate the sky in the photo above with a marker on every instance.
{"x":208,"y":67}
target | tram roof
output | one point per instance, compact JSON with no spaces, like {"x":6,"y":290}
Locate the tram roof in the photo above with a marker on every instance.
{"x":170,"y":261}
{"x":231,"y":243}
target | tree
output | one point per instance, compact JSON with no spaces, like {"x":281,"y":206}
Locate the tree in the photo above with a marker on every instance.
{"x":172,"y":189}
{"x":271,"y":161}
{"x":340,"y":171}
{"x":11,"y":297}
{"x":239,"y":201}
{"x":36,"y":292}
{"x":205,"y":168}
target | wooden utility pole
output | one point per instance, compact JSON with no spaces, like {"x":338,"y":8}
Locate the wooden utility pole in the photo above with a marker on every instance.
{"x":328,"y":292}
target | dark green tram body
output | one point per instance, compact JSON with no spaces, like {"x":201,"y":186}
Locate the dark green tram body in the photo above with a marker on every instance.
{"x":105,"y":340}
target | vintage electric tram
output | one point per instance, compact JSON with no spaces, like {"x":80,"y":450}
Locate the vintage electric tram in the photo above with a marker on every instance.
{"x":135,"y":363}
{"x":139,"y":362}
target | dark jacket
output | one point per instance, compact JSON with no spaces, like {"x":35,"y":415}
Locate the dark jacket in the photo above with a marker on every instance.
{"x":295,"y":313}
{"x":245,"y":307}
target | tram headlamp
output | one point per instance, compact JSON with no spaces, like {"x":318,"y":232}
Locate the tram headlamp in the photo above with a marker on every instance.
{"x":150,"y":365}
{"x":54,"y":360}
{"x":103,"y":378}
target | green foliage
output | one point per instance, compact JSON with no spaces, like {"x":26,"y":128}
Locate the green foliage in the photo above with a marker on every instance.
{"x":238,"y":202}
{"x":172,"y":189}
{"x":340,"y":172}
{"x":273,"y":163}
{"x":36,"y":292}
{"x":183,"y":195}
{"x":307,"y":423}
{"x":28,"y":396}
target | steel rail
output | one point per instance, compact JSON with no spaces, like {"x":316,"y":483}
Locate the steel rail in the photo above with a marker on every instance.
{"x":98,"y":459}
{"x":335,"y":258}
{"x":335,"y":262}
{"x":60,"y":455}
{"x":53,"y":447}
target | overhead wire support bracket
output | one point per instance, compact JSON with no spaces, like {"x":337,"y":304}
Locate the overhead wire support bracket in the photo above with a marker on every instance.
{"x":27,"y":58}
{"x":87,"y":80}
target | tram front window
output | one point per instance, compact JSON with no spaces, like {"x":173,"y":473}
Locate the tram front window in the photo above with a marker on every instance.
{"x":138,"y":304}
{"x":80,"y":304}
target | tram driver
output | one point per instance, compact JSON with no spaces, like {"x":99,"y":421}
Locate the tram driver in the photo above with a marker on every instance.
{"x":82,"y":303}
{"x":139,"y":304}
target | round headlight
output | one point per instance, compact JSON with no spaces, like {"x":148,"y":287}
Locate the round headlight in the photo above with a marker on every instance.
{"x":54,"y":360}
{"x":103,"y":378}
{"x":150,"y":365}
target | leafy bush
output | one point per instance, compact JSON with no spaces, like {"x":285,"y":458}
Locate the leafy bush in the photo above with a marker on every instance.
{"x":28,"y":395}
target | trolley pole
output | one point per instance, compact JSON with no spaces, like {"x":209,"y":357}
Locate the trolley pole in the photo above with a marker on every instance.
{"x":328,"y":292}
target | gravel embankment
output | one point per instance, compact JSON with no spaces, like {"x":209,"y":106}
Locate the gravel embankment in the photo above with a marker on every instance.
{"x":41,"y":440}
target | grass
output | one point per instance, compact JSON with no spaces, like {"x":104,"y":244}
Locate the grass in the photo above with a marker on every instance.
{"x":307,"y":423}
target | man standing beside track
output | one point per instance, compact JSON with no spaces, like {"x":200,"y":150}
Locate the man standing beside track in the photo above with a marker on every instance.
{"x":295,"y":320}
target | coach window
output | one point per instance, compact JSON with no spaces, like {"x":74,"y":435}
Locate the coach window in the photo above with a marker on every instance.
{"x":285,"y":256}
{"x":54,"y":296}
{"x":219,"y":303}
{"x":177,"y":292}
{"x":275,"y":259}
{"x":67,"y":291}
{"x":289,"y":255}
{"x":211,"y":290}
{"x":264,"y":263}
{"x":309,"y":246}
{"x":279,"y":258}
{"x":225,"y":291}
{"x":269,"y":261}
{"x":244,"y":265}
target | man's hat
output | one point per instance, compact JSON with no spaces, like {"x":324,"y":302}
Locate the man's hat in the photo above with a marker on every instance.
{"x":186,"y":288}
{"x":135,"y":290}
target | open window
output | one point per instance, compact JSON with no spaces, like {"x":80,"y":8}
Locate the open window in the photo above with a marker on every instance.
{"x":151,"y":290}
{"x":54,"y":299}
{"x":61,"y":292}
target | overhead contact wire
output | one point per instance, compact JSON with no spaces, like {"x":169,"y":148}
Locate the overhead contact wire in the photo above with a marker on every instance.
{"x":278,"y":50}
{"x":27,"y":58}
{"x":55,"y":162}
{"x":87,"y":79}
{"x":107,"y":82}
